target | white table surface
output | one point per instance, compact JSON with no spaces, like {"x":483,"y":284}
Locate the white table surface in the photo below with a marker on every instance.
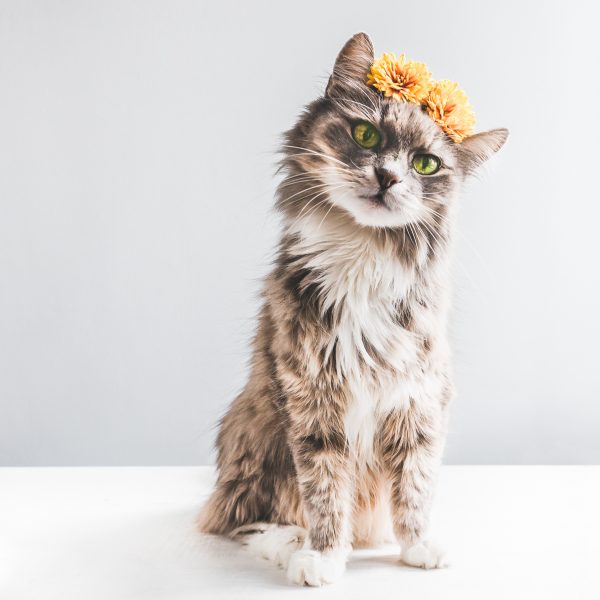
{"x":128,"y":533}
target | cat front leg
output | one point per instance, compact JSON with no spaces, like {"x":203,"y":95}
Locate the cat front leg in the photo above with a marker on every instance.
{"x":412,"y":449}
{"x":322,"y":465}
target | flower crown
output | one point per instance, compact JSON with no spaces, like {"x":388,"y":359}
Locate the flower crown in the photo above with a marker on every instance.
{"x":409,"y":81}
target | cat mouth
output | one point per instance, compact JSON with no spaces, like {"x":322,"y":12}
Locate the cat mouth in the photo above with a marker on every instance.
{"x":376,"y":200}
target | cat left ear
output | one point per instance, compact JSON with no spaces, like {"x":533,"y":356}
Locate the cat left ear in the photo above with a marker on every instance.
{"x":476,"y":149}
{"x":352,"y":64}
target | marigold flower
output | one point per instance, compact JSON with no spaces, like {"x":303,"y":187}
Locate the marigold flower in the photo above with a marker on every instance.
{"x":449,"y":107}
{"x":400,"y":78}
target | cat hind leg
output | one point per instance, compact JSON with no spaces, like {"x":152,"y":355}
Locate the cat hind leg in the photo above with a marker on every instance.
{"x":274,"y":542}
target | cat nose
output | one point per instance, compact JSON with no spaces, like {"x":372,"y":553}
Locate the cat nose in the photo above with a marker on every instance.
{"x":386,"y":178}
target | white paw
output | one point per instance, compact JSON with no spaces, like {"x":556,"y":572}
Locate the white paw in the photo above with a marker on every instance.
{"x":276,"y":543}
{"x":315,"y":568}
{"x":425,"y":555}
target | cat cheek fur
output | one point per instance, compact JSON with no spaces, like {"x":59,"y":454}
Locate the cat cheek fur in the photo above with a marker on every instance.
{"x":337,"y":437}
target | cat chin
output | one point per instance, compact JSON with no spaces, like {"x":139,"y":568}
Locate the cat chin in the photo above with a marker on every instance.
{"x":377,"y":222}
{"x":370,"y":215}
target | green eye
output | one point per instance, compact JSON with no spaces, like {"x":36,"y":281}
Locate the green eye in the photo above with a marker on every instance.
{"x":426,"y":164}
{"x":366,"y":135}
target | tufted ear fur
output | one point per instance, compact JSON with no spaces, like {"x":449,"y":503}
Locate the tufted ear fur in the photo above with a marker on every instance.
{"x":476,"y":149}
{"x":352,"y":64}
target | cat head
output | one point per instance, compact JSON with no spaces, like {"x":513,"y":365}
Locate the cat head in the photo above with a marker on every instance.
{"x":384,"y":163}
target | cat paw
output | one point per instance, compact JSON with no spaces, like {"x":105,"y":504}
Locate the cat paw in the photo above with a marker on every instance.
{"x":315,"y":568}
{"x":425,"y":555}
{"x":273,"y":542}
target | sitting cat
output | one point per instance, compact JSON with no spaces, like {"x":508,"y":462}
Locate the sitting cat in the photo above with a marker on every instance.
{"x":338,"y":435}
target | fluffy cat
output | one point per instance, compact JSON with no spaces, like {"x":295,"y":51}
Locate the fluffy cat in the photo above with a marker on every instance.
{"x":337,"y":437}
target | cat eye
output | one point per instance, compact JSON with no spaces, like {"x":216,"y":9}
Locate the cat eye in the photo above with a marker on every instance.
{"x":366,"y":135}
{"x":426,"y":164}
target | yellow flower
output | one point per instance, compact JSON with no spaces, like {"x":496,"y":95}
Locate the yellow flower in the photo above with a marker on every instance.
{"x":400,"y":78}
{"x":449,"y":107}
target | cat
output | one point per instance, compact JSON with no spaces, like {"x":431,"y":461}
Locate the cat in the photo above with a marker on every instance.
{"x":338,"y":435}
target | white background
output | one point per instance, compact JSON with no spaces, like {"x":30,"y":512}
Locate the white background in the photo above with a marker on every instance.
{"x":137,"y":151}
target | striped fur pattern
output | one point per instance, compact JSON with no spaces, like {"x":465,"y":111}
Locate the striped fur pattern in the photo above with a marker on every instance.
{"x":338,"y":435}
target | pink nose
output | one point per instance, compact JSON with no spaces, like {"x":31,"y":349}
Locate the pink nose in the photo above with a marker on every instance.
{"x":386,"y":178}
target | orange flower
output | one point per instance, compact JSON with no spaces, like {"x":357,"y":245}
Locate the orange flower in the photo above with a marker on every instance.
{"x":402,"y":79}
{"x":449,"y":107}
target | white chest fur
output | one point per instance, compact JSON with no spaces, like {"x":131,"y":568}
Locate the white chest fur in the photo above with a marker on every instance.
{"x":366,"y":282}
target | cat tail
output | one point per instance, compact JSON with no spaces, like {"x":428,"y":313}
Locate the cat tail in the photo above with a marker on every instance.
{"x":216,"y":515}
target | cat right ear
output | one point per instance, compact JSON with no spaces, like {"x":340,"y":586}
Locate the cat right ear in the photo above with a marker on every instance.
{"x":474,"y":150}
{"x":352,"y":65}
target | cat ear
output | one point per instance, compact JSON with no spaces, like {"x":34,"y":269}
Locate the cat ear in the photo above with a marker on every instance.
{"x":476,"y":149}
{"x":352,"y":64}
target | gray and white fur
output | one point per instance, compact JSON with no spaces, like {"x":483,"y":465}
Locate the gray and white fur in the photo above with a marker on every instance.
{"x":338,"y":435}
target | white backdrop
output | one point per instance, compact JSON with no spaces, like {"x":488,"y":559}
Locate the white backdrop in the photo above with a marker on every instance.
{"x":137,"y":147}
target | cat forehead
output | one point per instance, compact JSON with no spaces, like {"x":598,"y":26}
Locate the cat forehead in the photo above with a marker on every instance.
{"x":407,"y":127}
